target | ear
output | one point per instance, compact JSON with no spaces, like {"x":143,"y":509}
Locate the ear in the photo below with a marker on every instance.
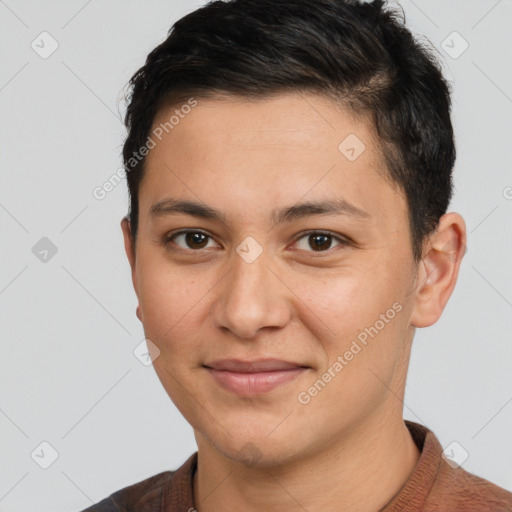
{"x":129,"y":248}
{"x":438,"y":270}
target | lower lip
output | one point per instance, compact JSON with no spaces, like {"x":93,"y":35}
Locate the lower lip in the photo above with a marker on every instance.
{"x":247,"y":384}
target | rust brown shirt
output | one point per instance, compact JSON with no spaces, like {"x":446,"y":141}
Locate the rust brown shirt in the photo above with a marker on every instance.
{"x":433,"y":486}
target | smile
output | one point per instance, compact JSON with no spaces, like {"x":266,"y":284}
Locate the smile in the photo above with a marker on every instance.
{"x":253,"y":377}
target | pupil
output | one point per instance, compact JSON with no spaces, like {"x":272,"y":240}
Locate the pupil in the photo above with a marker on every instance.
{"x":324,"y":245}
{"x":195,"y":238}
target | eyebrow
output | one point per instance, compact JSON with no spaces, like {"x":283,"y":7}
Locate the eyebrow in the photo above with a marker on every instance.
{"x":171,"y":206}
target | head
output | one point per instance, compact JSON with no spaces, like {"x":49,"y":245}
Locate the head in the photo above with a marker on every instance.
{"x":314,"y":139}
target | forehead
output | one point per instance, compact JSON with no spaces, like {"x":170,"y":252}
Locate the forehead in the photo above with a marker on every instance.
{"x":310,"y":120}
{"x":263,"y":152}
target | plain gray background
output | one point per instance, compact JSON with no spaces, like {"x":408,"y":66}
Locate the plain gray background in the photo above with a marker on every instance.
{"x":68,"y":374}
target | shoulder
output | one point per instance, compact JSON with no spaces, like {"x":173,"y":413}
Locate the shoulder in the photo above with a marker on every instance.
{"x":437,"y":484}
{"x":466,"y":491}
{"x":155,"y":493}
{"x":144,"y":495}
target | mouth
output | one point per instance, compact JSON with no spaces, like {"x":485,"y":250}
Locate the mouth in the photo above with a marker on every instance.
{"x":249,"y":378}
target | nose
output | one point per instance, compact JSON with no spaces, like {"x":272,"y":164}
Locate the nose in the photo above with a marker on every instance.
{"x":251,"y":297}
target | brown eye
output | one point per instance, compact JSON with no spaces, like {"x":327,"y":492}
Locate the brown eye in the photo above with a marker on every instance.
{"x":319,"y":241}
{"x":194,"y":240}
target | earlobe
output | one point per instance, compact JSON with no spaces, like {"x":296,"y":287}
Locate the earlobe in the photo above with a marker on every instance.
{"x":439,"y":269}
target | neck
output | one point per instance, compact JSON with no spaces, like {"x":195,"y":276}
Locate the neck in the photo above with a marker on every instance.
{"x":362,"y":472}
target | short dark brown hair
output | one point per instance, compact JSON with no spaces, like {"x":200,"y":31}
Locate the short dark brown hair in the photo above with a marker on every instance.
{"x":358,"y":53}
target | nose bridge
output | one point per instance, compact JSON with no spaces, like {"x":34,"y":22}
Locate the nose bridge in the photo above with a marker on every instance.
{"x":251,"y":295}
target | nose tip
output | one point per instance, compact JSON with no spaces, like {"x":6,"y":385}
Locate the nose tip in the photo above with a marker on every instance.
{"x":244,"y":320}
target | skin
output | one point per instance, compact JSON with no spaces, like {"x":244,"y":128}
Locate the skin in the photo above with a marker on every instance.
{"x":348,"y":448}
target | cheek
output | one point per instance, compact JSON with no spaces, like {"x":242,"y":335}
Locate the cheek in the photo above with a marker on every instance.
{"x":172,"y":310}
{"x":171,"y":302}
{"x":344,"y":303}
{"x":358,"y":321}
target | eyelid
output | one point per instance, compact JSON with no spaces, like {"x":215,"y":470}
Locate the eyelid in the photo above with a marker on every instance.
{"x":343,"y":241}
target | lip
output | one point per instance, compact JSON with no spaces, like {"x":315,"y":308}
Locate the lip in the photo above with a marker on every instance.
{"x":248,"y":378}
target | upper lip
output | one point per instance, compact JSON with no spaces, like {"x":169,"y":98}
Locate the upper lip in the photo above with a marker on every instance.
{"x":254,"y":366}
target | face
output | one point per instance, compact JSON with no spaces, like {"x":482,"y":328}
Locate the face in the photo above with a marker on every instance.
{"x":316,"y":300}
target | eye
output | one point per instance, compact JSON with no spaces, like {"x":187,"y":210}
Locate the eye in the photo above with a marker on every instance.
{"x":195,"y":240}
{"x":321,"y":241}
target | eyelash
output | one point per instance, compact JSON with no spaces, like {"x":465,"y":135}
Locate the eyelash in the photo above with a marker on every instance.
{"x":169,"y":238}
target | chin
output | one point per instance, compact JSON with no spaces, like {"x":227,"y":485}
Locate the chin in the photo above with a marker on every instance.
{"x":259,"y":452}
{"x":253,"y":455}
